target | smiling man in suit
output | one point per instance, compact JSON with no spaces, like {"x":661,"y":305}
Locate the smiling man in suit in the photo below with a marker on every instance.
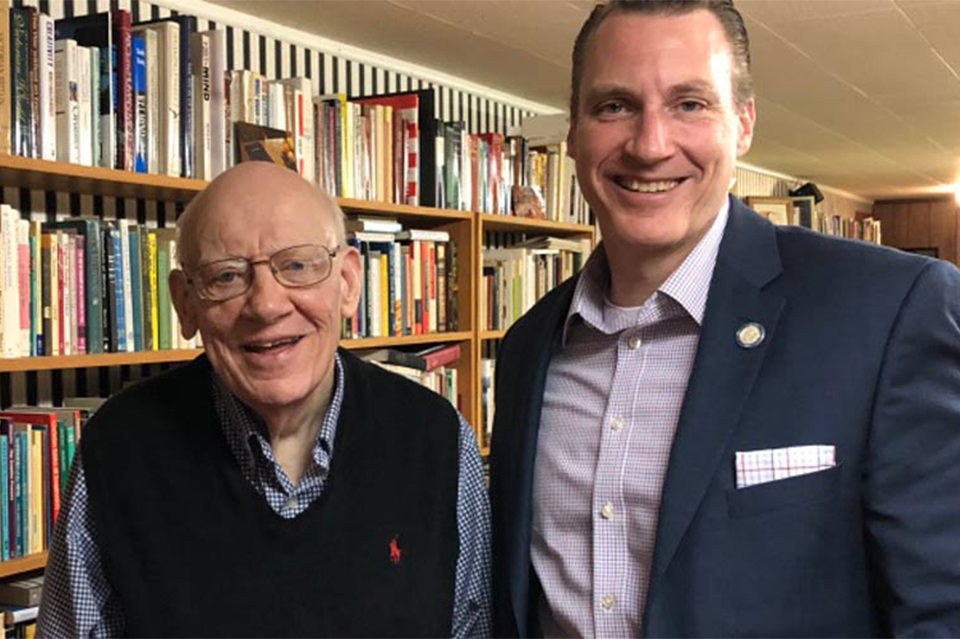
{"x":721,"y":427}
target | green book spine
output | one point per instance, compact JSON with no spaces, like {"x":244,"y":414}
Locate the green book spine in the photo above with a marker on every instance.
{"x":136,"y":278}
{"x":163,"y":292}
{"x":4,"y":518}
{"x":71,"y":446}
{"x":62,"y":453}
{"x":146,"y":296}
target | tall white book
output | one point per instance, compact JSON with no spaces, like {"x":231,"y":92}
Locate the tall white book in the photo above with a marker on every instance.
{"x":85,"y":103}
{"x":203,"y":134}
{"x":67,"y":101}
{"x":48,"y":88}
{"x":10,"y":292}
{"x":168,"y":93}
{"x":218,"y":100}
{"x":303,"y":125}
{"x":153,"y":101}
{"x":127,"y":283}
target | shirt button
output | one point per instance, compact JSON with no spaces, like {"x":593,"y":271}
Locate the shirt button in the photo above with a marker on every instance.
{"x":291,"y":504}
{"x":616,"y":423}
{"x":634,"y":342}
{"x":608,"y":511}
{"x":608,"y":602}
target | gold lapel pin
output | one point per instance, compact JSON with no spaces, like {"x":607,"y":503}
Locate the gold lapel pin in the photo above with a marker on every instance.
{"x":750,"y":335}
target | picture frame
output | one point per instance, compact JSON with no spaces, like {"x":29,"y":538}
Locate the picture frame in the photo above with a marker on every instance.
{"x":804,"y":210}
{"x":778,"y":210}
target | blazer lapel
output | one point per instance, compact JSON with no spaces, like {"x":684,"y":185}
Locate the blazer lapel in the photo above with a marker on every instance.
{"x":723,"y":373}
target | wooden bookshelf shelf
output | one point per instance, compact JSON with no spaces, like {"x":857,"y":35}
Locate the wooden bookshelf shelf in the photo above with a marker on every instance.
{"x":391,"y":342}
{"x":492,"y":222}
{"x":92,"y":361}
{"x":21,"y":565}
{"x":493,"y":334}
{"x":61,"y":176}
{"x":403,"y":212}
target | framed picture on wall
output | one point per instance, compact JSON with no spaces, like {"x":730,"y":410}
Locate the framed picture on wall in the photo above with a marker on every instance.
{"x":778,"y":210}
{"x":804,"y":211}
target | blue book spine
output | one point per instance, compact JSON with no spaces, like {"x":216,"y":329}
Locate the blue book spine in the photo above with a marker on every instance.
{"x":139,"y":76}
{"x":4,"y":516}
{"x":135,"y":279}
{"x":94,"y":287}
{"x":120,"y":325}
{"x":22,"y":495}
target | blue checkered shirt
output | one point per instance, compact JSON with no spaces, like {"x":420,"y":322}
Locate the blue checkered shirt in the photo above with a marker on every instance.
{"x":77,"y":600}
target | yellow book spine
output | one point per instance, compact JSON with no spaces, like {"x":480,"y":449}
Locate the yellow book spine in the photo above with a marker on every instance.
{"x":36,"y":491}
{"x":155,"y":306}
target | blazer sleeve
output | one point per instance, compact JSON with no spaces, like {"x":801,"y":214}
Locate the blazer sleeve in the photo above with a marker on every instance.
{"x":911,"y":489}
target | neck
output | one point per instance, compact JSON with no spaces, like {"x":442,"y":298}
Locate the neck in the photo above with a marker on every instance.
{"x":293,"y":430}
{"x":635,"y":275}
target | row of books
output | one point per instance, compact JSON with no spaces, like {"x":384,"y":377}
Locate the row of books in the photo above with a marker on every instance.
{"x":19,"y":605}
{"x":37,"y":447}
{"x":85,"y":285}
{"x":434,"y":367}
{"x":157,"y":97}
{"x":409,"y":284}
{"x":866,"y":229}
{"x":516,"y":277}
{"x":391,"y":148}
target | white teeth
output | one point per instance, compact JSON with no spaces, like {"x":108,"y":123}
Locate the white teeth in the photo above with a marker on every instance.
{"x":649,"y":187}
{"x":266,"y":345}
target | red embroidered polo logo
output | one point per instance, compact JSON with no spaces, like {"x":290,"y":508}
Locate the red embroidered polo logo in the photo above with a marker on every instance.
{"x":395,"y":551}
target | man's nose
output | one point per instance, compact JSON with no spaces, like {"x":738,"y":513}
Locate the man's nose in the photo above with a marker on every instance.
{"x":651,"y":138}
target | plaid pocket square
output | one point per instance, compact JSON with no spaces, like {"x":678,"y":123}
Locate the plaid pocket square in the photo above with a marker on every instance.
{"x":755,"y":467}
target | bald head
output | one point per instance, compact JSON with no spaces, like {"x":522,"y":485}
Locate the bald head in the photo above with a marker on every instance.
{"x":253,"y":189}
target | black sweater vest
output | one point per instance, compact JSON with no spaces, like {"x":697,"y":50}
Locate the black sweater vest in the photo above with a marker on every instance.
{"x":189,"y":547}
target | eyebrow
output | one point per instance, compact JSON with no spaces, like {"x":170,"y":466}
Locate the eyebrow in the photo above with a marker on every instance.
{"x":701,"y":87}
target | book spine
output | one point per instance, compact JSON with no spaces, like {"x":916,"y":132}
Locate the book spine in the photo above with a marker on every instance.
{"x":5,"y":77}
{"x":81,"y":292}
{"x":108,"y":307}
{"x":53,"y":452}
{"x":44,"y":347}
{"x":96,"y":133}
{"x":163,"y":294}
{"x":152,"y":64}
{"x":63,"y":313}
{"x":20,"y":112}
{"x":154,"y":294}
{"x":85,"y":106}
{"x":23,"y":273}
{"x":36,"y":305}
{"x":214,"y":86}
{"x":145,"y":290}
{"x":125,"y":119}
{"x":35,"y":479}
{"x":138,"y":79}
{"x":21,"y":492}
{"x":67,"y":102}
{"x":188,"y":25}
{"x":171,"y":104}
{"x":35,"y":147}
{"x":94,"y":287}
{"x":4,"y":519}
{"x":48,"y":83}
{"x":136,"y":285}
{"x":12,"y":483}
{"x":441,"y":278}
{"x":203,"y":141}
{"x":120,"y":316}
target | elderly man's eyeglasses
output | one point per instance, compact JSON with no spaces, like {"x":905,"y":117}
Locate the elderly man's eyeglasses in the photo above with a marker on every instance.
{"x":293,"y":267}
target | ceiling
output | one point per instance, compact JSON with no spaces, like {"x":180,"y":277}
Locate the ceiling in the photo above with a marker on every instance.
{"x":858,"y":95}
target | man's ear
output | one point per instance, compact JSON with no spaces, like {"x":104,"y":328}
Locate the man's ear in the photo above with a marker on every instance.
{"x":184,"y":304}
{"x":746,"y":119}
{"x":350,"y":273}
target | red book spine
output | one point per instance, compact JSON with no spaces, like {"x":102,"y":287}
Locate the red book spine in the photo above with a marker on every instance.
{"x":81,"y":297}
{"x":442,"y":357}
{"x":54,"y":452}
{"x":124,"y":100}
{"x":432,"y":277}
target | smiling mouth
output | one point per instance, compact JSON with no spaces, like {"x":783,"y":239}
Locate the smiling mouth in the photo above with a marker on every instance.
{"x":646,"y":186}
{"x":264,"y":347}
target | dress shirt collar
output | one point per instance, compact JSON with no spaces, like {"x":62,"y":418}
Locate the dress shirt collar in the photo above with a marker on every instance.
{"x":241,"y":426}
{"x":688,"y":285}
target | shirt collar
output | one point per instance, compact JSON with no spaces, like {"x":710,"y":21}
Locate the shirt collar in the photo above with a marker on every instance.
{"x":688,"y":285}
{"x":240,"y":425}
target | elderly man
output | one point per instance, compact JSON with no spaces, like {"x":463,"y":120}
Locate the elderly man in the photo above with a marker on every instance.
{"x":721,"y":427}
{"x":276,"y":485}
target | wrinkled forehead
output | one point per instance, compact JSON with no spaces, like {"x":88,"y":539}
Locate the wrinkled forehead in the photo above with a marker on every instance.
{"x":254,"y":223}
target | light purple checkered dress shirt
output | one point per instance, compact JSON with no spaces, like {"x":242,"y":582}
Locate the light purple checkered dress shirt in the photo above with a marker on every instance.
{"x":610,"y":409}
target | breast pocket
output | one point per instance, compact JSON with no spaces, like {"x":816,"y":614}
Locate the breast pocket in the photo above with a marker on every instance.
{"x":782,"y":493}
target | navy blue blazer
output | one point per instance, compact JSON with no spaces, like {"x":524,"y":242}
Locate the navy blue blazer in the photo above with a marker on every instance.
{"x":862,"y":351}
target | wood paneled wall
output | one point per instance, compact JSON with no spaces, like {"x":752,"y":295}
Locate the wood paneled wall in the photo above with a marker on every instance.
{"x":921,"y":224}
